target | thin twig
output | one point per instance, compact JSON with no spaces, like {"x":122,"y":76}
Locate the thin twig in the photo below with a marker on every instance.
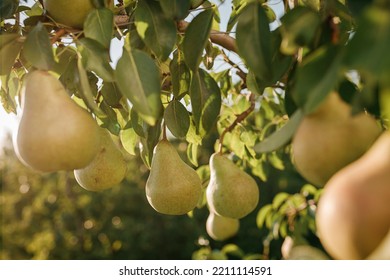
{"x":239,"y":72}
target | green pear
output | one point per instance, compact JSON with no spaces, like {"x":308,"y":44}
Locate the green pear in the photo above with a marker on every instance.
{"x":106,"y":170}
{"x":173,"y":187}
{"x":353,"y":214}
{"x":221,"y":228}
{"x":69,"y":13}
{"x":330,"y":138}
{"x":231,"y":192}
{"x":306,"y":252}
{"x":54,"y":133}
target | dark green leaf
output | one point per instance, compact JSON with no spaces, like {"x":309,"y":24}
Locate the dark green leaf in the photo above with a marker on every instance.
{"x":137,"y":123}
{"x":96,"y":58}
{"x":111,"y":94}
{"x":157,"y":31}
{"x":196,"y":37}
{"x":180,"y":75}
{"x":7,"y":8}
{"x":177,"y":118}
{"x":138,"y":79}
{"x":152,"y":134}
{"x":280,"y":137}
{"x":205,"y":100}
{"x":10,"y":47}
{"x":37,"y":48}
{"x":99,"y":26}
{"x":175,"y":9}
{"x":254,"y":40}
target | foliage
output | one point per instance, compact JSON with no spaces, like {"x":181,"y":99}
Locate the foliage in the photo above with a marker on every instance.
{"x":241,"y":89}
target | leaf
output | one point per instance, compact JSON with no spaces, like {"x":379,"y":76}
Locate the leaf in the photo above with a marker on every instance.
{"x":254,"y":40}
{"x":157,"y":31}
{"x":129,"y":140}
{"x":279,"y":199}
{"x":192,"y":153}
{"x":37,"y":48}
{"x":138,"y":79}
{"x":99,"y":26}
{"x":177,"y":118}
{"x":10,"y":47}
{"x":195,"y":38}
{"x":111,"y":94}
{"x":137,"y":123}
{"x":175,"y":9}
{"x":262,"y":215}
{"x":281,"y":136}
{"x":7,"y":8}
{"x":205,"y":100}
{"x":96,"y":58}
{"x":180,"y":75}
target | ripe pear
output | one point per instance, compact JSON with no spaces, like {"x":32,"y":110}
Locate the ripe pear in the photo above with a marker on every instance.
{"x":221,"y":228}
{"x":330,"y":138}
{"x":382,"y":252}
{"x":231,"y":192}
{"x":54,"y":133}
{"x":106,"y":170}
{"x":69,"y":13}
{"x":353,"y":214}
{"x":173,"y":187}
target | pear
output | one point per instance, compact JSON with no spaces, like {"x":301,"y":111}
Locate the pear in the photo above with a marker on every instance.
{"x":106,"y":170}
{"x":330,"y":138}
{"x":353,"y":214}
{"x":382,"y":252}
{"x":221,"y":228}
{"x":173,"y":187}
{"x":54,"y":133}
{"x":69,"y":13}
{"x":231,"y":192}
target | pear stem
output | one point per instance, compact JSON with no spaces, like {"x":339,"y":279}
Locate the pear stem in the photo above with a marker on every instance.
{"x":164,"y":132}
{"x":239,"y":119}
{"x":59,"y":33}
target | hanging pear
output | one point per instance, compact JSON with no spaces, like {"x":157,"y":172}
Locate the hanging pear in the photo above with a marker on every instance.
{"x":330,"y":138}
{"x":106,"y":170}
{"x":353,"y":214}
{"x":54,"y":133}
{"x":231,"y":191}
{"x":221,"y":228}
{"x":173,"y":187}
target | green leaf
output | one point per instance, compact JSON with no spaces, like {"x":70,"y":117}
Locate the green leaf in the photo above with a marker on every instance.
{"x":175,"y":9}
{"x":281,"y":136}
{"x":111,"y":94}
{"x":316,"y":77}
{"x":205,"y":100}
{"x":262,"y":215}
{"x":99,"y":26}
{"x":129,"y":140}
{"x":37,"y":48}
{"x":177,"y":118}
{"x":180,"y":75}
{"x":96,"y":58}
{"x":196,"y":37}
{"x":157,"y":31}
{"x":279,"y":199}
{"x":137,"y":123}
{"x":138,"y":79}
{"x":192,"y":153}
{"x":254,"y":40}
{"x":7,"y":8}
{"x":10,"y":46}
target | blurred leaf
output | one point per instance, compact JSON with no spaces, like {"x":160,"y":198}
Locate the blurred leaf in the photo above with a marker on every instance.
{"x":111,"y":94}
{"x":10,"y":47}
{"x":254,"y":40}
{"x":281,"y":136}
{"x":279,"y":199}
{"x":137,"y":123}
{"x":8,"y":8}
{"x":275,"y":161}
{"x":233,"y":249}
{"x":99,"y":26}
{"x":37,"y":48}
{"x":138,"y":78}
{"x":205,"y":100}
{"x":177,"y":118}
{"x":262,"y":215}
{"x":308,"y":189}
{"x":195,"y":38}
{"x":192,"y":153}
{"x":175,"y":9}
{"x":96,"y":58}
{"x":129,"y":140}
{"x":157,"y":31}
{"x":180,"y":74}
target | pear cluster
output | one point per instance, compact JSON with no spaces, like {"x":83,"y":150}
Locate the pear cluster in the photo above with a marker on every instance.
{"x":54,"y":133}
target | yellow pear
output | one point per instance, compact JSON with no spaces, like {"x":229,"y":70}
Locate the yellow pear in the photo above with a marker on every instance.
{"x":231,"y":191}
{"x":330,"y":138}
{"x":382,"y":252}
{"x":106,"y":170}
{"x":173,"y":187}
{"x":353,"y":214}
{"x":54,"y":133}
{"x":221,"y":228}
{"x":69,"y":13}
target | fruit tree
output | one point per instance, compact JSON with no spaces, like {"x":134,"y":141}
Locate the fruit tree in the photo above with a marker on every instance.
{"x":282,"y":107}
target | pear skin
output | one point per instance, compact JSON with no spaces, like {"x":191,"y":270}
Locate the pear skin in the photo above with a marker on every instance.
{"x":54,"y":133}
{"x":221,"y":228}
{"x":353,"y":214}
{"x":173,"y":187}
{"x":69,"y":13}
{"x":231,"y":192}
{"x":106,"y":170}
{"x":382,"y":252}
{"x":330,"y":138}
